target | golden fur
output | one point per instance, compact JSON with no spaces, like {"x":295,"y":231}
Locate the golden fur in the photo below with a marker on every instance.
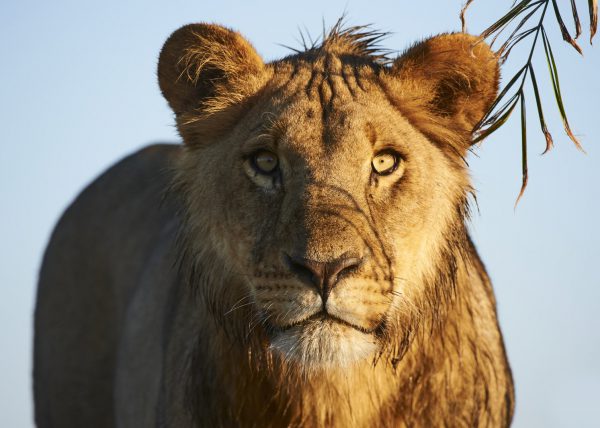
{"x":407,"y":334}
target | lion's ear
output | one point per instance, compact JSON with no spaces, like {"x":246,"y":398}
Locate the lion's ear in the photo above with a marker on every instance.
{"x":207,"y":66}
{"x":453,"y":76}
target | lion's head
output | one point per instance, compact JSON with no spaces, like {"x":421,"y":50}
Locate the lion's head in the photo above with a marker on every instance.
{"x":325,"y":193}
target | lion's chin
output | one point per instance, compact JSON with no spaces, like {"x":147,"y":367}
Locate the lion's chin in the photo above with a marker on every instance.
{"x":324,"y":344}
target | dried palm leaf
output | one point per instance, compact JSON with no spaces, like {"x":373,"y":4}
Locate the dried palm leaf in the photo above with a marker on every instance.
{"x":513,"y":94}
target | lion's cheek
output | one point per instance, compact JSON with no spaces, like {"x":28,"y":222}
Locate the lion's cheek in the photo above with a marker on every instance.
{"x":415,"y":250}
{"x":232,"y":245}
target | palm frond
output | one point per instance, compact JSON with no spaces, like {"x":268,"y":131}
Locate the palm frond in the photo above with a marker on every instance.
{"x":593,"y":8}
{"x":517,"y":18}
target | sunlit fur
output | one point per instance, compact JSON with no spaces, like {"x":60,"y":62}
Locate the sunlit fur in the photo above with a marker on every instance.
{"x":325,"y":112}
{"x":407,"y":337}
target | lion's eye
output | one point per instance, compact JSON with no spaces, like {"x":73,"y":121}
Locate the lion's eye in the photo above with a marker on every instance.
{"x":265,"y":161}
{"x":385,"y":163}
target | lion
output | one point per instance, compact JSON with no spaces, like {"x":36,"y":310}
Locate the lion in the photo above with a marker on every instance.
{"x":302,"y":259}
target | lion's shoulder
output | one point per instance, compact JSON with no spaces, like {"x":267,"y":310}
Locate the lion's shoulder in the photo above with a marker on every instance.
{"x":119,"y":212}
{"x":97,"y":255}
{"x":120,"y":216}
{"x":139,"y":179}
{"x":114,"y":218}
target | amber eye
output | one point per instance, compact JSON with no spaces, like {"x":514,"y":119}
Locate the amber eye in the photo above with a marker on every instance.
{"x":385,"y":163}
{"x":265,"y":161}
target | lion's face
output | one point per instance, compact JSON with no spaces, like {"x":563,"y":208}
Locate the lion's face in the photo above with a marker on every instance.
{"x":330,"y":208}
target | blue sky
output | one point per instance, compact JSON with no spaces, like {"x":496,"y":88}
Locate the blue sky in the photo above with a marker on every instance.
{"x":78,"y":91}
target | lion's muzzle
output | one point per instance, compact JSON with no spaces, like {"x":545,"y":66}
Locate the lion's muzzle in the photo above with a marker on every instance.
{"x":324,"y":312}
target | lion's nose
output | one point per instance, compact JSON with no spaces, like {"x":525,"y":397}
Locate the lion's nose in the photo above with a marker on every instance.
{"x":322,"y":275}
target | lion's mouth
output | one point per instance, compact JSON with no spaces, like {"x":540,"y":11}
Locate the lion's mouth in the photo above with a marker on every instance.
{"x":324,"y":340}
{"x":323,"y":317}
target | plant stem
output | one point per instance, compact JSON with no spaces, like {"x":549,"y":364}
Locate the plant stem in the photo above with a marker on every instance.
{"x":534,"y":44}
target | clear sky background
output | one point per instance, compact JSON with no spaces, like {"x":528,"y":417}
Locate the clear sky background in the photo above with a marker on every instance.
{"x":78,"y":91}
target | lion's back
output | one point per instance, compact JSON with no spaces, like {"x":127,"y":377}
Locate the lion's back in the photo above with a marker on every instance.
{"x":96,"y":255}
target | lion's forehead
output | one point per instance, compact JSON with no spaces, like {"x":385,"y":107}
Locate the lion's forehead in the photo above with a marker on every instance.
{"x":325,"y":87}
{"x":348,"y":76}
{"x":320,"y":113}
{"x":328,"y":106}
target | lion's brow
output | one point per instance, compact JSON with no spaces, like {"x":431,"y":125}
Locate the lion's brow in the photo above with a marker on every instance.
{"x":269,"y":127}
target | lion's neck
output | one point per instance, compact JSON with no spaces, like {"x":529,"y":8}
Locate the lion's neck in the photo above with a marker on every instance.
{"x":457,"y":370}
{"x":354,"y":396}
